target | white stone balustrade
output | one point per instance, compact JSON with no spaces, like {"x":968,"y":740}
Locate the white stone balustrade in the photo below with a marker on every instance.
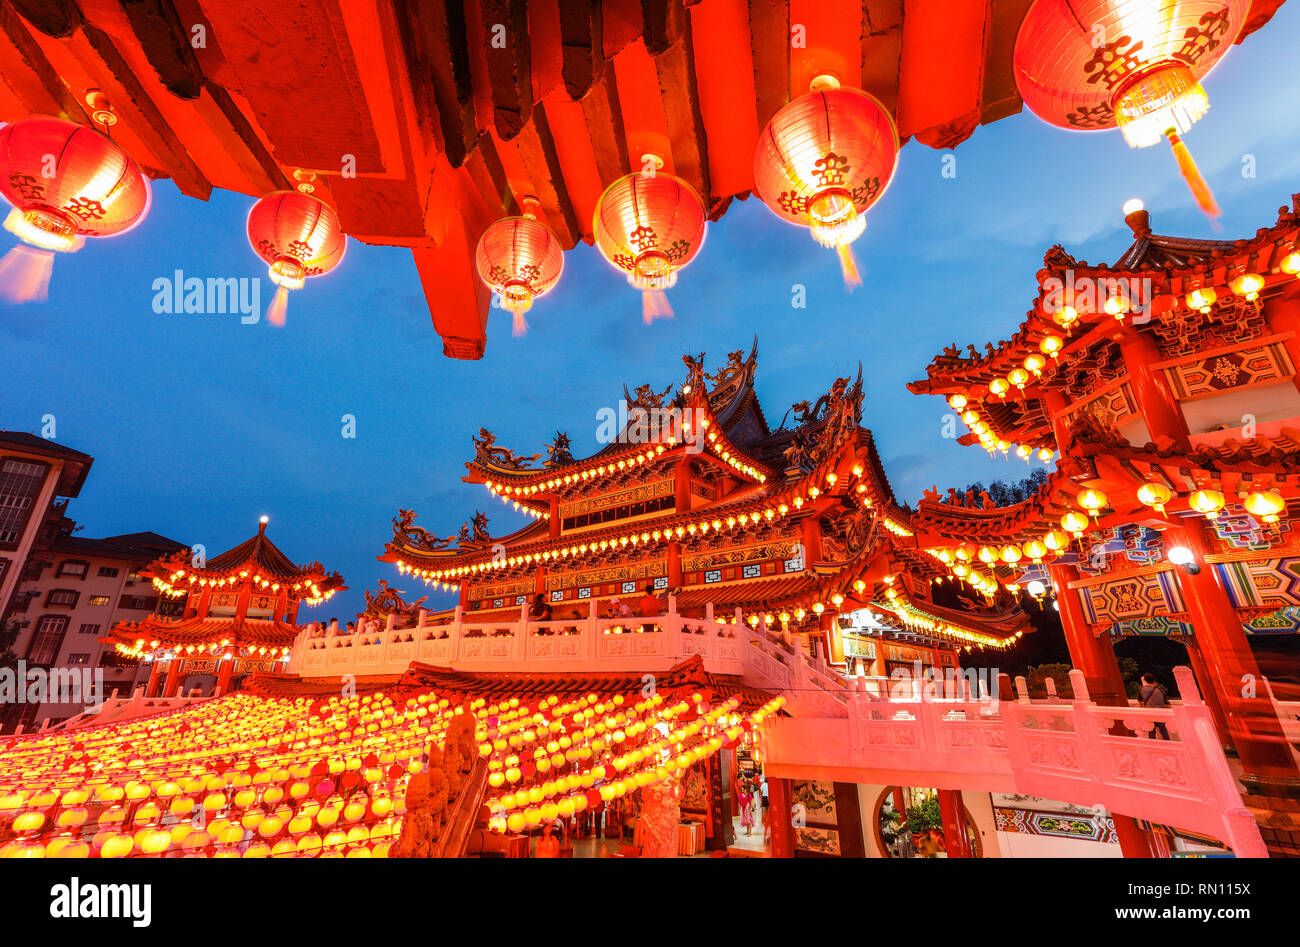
{"x":1067,"y":750}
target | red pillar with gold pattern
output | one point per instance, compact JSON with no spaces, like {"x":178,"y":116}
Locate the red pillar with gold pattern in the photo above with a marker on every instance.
{"x":1266,"y":758}
{"x":1156,"y":403}
{"x":953,"y":813}
{"x":781,"y":816}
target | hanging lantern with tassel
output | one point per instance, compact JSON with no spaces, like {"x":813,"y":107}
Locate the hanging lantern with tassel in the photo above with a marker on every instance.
{"x":823,"y":160}
{"x":650,"y":225}
{"x":299,"y":235}
{"x":519,"y":259}
{"x":65,"y":182}
{"x":1135,"y":64}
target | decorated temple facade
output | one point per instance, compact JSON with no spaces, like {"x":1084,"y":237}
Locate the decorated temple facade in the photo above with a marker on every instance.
{"x":793,"y":528}
{"x":1167,"y":381}
{"x":240,"y":614}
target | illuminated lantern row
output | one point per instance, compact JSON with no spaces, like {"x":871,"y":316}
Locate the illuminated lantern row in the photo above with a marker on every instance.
{"x":650,"y":225}
{"x":823,"y":160}
{"x":1135,"y":64}
{"x":519,"y":259}
{"x":300,"y":236}
{"x":65,"y":182}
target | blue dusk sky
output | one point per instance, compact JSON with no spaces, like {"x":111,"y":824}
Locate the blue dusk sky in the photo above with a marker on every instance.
{"x":199,"y":425}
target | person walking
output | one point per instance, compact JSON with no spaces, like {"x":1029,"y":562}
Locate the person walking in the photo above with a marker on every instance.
{"x":1153,"y":695}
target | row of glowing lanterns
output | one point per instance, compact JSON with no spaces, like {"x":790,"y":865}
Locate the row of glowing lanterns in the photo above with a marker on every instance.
{"x":308,"y":780}
{"x":702,"y":526}
{"x":142,"y":648}
{"x":821,"y":162}
{"x":914,"y":618}
{"x":168,"y":585}
{"x":608,"y":748}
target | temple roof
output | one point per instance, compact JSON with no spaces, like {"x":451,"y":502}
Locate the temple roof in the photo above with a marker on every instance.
{"x":257,"y":556}
{"x":256,"y":632}
{"x":447,"y":133}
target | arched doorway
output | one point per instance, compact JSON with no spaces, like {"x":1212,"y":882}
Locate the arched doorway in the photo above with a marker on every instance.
{"x":907,"y":824}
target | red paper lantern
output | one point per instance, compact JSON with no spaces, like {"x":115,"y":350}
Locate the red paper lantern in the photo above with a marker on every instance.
{"x":299,"y":236}
{"x":519,"y":259}
{"x":823,"y":160}
{"x":65,"y":182}
{"x":649,"y":225}
{"x":1135,"y":64}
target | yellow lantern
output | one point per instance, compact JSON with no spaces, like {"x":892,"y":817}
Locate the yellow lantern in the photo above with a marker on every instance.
{"x":1248,"y":285}
{"x":1011,"y":554}
{"x":1056,"y":541}
{"x":1035,"y":363}
{"x":1202,"y":299}
{"x":1050,"y":345}
{"x":1266,"y":504}
{"x":1034,"y":550}
{"x":1075,"y":523}
{"x":988,"y":554}
{"x":1291,"y":263}
{"x":1018,"y":377}
{"x":1209,"y":502}
{"x":1092,"y":501}
{"x":1155,"y":495}
{"x":999,"y":387}
{"x":1065,"y":317}
{"x":956,"y":402}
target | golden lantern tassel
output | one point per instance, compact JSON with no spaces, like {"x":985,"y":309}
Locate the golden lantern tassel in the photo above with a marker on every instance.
{"x":25,"y":275}
{"x":654,"y":305}
{"x":1192,"y":175}
{"x":275,"y":312}
{"x":849,"y":267}
{"x":518,"y":324}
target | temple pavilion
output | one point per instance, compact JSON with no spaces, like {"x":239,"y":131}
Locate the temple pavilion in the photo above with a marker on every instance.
{"x":241,"y":612}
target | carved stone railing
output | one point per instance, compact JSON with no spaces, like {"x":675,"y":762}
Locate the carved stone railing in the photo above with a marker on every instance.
{"x":116,"y":709}
{"x":1071,"y":750}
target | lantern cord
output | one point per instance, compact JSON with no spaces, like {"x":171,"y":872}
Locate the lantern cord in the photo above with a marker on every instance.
{"x":25,"y":275}
{"x":275,"y":312}
{"x":1192,"y":175}
{"x":654,"y":305}
{"x":849,"y":267}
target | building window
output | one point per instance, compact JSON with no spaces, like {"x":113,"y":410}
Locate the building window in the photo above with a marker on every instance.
{"x":713,"y":575}
{"x":73,"y":567}
{"x":108,"y":572}
{"x":45,"y":645}
{"x":557,"y":595}
{"x":751,"y":572}
{"x":171,"y":606}
{"x":521,"y":599}
{"x":629,"y":588}
{"x":20,"y":485}
{"x":65,"y":598}
{"x":89,"y":629}
{"x":794,"y":565}
{"x":79,"y":658}
{"x":138,"y":602}
{"x":584,"y":593}
{"x":661,"y":582}
{"x":98,"y":600}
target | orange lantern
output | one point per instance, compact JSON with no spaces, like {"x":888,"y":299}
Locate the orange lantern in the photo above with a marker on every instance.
{"x":1248,"y":285}
{"x":1011,"y":554}
{"x":300,"y":236}
{"x":1075,"y":523}
{"x":65,"y":182}
{"x":999,"y":387}
{"x":988,"y":554}
{"x":1155,"y":495}
{"x":1202,"y":299}
{"x":823,"y":160}
{"x":1050,"y":345}
{"x":519,"y":259}
{"x":1135,"y":64}
{"x":1265,"y":504}
{"x":1035,"y":550}
{"x":1209,"y":502}
{"x":1056,"y":541}
{"x":1092,"y":501}
{"x":649,"y":225}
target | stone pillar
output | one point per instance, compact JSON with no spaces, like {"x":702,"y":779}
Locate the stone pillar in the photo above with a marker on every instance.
{"x":661,"y":814}
{"x":1266,"y":760}
{"x":953,"y":814}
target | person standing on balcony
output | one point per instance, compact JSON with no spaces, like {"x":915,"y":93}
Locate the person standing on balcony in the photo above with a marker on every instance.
{"x":1153,"y":695}
{"x":540,"y":610}
{"x":648,"y":604}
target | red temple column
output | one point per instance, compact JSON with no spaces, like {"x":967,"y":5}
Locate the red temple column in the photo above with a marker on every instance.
{"x":682,"y":484}
{"x":173,"y":678}
{"x":1095,"y":657}
{"x":1283,"y":315}
{"x":553,"y":521}
{"x":1156,"y":403}
{"x":953,"y":814}
{"x":155,"y":671}
{"x":223,"y":678}
{"x":1091,"y":654}
{"x":674,"y":565}
{"x":1233,"y":672}
{"x":780,"y":798}
{"x":1204,"y":680}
